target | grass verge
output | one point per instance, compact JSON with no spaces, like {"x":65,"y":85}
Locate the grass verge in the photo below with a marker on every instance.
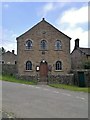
{"x":70,"y":87}
{"x":13,"y":79}
{"x":61,"y":86}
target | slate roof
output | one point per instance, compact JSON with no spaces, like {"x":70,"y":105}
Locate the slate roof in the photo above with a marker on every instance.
{"x":8,"y":52}
{"x":85,"y":50}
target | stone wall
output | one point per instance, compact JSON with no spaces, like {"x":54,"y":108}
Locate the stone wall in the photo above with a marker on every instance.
{"x":61,"y":79}
{"x":78,"y":59}
{"x":9,"y":69}
{"x":51,"y":79}
{"x":86,"y":77}
{"x":27,"y":78}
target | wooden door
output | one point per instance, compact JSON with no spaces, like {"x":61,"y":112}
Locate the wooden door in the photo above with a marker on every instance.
{"x":43,"y":72}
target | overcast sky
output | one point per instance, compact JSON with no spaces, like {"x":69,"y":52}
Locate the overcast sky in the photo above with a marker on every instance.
{"x":69,"y":17}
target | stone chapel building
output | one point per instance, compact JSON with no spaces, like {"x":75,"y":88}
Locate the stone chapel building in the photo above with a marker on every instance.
{"x":43,"y":50}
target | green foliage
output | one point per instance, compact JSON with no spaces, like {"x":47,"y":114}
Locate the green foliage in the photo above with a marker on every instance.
{"x":87,"y":65}
{"x":70,"y":87}
{"x":10,"y":78}
{"x":2,"y":50}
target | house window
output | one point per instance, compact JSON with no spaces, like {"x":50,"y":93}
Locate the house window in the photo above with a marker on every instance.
{"x":43,"y":45}
{"x":58,"y":45}
{"x":29,"y":44}
{"x":28,"y":65}
{"x":3,"y":62}
{"x":15,"y":62}
{"x":58,"y":65}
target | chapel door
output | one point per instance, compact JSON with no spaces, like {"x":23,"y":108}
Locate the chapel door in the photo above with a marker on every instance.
{"x":43,"y":71}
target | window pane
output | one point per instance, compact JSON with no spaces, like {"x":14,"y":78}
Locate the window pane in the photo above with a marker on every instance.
{"x":28,"y":65}
{"x":58,"y":65}
{"x":58,"y":45}
{"x":29,"y":44}
{"x":43,"y":45}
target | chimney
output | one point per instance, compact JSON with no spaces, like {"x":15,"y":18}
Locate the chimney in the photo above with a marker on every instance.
{"x":13,"y":51}
{"x":43,"y":18}
{"x":76,"y":43}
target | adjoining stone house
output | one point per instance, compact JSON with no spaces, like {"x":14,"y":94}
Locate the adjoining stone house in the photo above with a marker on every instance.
{"x":79,"y":56}
{"x":8,"y":63}
{"x":8,"y":58}
{"x":43,"y":50}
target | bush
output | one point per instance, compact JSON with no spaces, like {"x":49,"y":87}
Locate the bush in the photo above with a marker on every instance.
{"x":87,"y":65}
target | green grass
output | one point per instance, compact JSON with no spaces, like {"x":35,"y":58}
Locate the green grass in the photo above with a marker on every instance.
{"x":70,"y":87}
{"x":13,"y":79}
{"x":61,"y":86}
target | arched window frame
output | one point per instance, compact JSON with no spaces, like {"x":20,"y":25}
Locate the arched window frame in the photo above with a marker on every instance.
{"x":58,"y":45}
{"x":58,"y":65}
{"x":29,"y":44}
{"x":28,"y":65}
{"x":43,"y":45}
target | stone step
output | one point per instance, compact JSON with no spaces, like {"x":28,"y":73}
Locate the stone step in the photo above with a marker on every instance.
{"x":42,"y":83}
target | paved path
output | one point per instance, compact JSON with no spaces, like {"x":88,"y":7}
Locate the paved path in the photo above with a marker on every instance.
{"x":42,"y":101}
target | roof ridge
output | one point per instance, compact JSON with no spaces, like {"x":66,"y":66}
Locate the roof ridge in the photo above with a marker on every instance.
{"x":9,"y":52}
{"x":43,"y":20}
{"x":85,"y":50}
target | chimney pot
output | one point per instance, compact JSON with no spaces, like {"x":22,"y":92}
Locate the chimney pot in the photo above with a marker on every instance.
{"x":43,"y":18}
{"x":13,"y":51}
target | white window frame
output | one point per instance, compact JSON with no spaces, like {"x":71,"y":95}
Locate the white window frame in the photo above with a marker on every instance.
{"x":60,"y":45}
{"x":28,"y":47}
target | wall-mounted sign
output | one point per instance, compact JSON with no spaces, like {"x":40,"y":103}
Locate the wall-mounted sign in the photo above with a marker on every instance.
{"x":37,"y":68}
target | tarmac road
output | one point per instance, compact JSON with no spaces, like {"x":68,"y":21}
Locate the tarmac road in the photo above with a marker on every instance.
{"x":42,"y":101}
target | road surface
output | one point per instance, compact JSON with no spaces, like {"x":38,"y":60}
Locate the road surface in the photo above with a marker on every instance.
{"x":42,"y":101}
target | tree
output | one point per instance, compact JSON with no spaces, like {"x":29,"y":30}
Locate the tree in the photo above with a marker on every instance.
{"x":87,"y":65}
{"x":2,"y":50}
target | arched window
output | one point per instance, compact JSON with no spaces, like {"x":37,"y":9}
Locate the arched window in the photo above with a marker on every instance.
{"x":29,"y":44}
{"x":58,"y":45}
{"x":58,"y":65}
{"x":28,"y":65}
{"x":43,"y":45}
